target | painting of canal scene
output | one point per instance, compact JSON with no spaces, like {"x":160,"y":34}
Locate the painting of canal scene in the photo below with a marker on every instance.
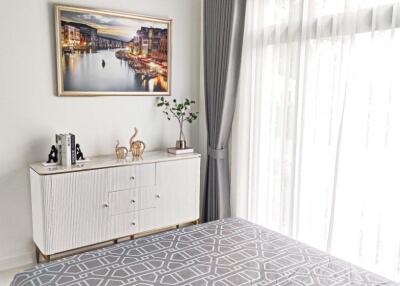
{"x":111,"y":53}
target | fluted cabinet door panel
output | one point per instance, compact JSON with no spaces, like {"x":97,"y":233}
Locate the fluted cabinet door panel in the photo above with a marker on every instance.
{"x":147,"y":220}
{"x":147,"y":198}
{"x":177,"y":191}
{"x":77,"y":208}
{"x":145,"y":175}
{"x":39,"y":217}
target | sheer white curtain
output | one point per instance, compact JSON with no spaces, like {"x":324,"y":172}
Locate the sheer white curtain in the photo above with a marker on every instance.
{"x":316,"y":136}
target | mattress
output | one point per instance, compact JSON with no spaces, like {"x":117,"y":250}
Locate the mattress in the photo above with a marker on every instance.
{"x":225,"y":252}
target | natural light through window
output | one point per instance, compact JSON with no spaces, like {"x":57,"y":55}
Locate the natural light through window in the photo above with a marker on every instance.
{"x":321,"y":78}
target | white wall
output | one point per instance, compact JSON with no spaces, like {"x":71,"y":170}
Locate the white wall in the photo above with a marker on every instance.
{"x":30,"y":113}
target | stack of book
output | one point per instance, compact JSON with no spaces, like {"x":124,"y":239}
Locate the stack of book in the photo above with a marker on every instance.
{"x":66,"y":148}
{"x":176,"y":151}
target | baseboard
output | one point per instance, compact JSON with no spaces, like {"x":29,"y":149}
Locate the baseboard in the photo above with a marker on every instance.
{"x":16,"y":261}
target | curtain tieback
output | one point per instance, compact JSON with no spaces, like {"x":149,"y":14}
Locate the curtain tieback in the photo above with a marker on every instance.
{"x":216,"y":153}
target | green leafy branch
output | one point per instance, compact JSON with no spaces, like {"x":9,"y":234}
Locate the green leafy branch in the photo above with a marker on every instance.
{"x":181,"y":111}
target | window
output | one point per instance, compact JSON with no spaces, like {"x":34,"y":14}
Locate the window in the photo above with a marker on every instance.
{"x":319,"y":112}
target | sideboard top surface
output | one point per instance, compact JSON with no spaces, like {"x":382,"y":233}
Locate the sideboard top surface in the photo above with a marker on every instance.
{"x":109,"y":161}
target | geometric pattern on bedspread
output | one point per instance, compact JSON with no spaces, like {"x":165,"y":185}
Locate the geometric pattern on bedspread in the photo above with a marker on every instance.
{"x":225,"y":252}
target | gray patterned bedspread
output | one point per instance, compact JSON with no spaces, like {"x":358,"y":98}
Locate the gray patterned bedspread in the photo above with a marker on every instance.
{"x":225,"y":252}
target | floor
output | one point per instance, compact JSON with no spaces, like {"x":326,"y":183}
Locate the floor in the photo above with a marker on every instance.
{"x":7,"y":275}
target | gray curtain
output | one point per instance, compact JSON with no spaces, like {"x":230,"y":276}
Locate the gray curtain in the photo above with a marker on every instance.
{"x":223,"y":37}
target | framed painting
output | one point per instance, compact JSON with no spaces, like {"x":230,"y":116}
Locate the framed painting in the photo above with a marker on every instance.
{"x":103,"y":52}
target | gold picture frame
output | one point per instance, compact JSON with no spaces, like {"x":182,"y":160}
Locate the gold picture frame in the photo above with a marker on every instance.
{"x":104,"y":53}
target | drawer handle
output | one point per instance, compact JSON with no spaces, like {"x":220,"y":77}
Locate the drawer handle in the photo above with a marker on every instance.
{"x":132,"y":178}
{"x":158,"y":196}
{"x":133,"y":223}
{"x":105,"y":205}
{"x":133,"y":201}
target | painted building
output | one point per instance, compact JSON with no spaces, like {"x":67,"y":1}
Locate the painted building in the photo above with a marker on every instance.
{"x":150,"y":42}
{"x":71,"y":36}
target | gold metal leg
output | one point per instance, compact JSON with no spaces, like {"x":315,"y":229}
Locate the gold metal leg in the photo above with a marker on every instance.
{"x":37,"y":251}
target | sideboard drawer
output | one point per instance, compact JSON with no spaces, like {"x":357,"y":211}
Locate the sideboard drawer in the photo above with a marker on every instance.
{"x":124,"y":201}
{"x":124,"y":224}
{"x":122,"y":178}
{"x":129,"y":177}
{"x":130,"y":200}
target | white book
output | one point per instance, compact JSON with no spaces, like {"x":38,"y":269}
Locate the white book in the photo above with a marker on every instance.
{"x":59,"y":147}
{"x":66,"y":150}
{"x":180,"y":151}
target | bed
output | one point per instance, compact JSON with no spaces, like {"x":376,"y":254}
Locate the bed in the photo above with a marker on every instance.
{"x":226,"y":252}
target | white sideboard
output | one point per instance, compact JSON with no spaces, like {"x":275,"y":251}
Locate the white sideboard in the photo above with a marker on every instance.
{"x":106,"y":199}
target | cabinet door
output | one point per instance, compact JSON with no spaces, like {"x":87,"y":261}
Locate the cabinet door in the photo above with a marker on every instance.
{"x":177,"y":191}
{"x":77,"y":210}
{"x":147,"y":198}
{"x":147,"y":220}
{"x":145,"y":175}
